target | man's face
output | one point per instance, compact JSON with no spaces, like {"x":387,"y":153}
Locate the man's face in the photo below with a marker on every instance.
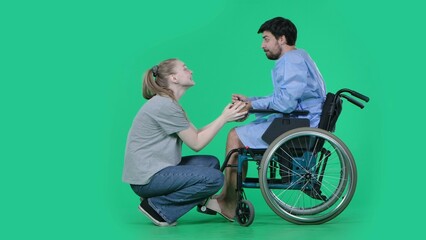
{"x":271,"y":46}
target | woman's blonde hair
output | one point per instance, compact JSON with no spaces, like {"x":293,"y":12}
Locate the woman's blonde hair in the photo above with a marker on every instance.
{"x":155,"y":79}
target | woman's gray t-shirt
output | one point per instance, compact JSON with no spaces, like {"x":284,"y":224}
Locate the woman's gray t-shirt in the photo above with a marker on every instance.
{"x":152,"y":142}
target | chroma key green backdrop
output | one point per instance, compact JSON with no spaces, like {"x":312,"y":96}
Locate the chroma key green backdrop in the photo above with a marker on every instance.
{"x":70,"y":83}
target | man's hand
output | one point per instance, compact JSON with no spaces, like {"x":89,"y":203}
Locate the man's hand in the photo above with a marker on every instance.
{"x":245,"y":109}
{"x":239,"y":97}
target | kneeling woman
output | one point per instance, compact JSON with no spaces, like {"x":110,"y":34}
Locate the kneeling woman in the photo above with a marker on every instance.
{"x":170,"y":185}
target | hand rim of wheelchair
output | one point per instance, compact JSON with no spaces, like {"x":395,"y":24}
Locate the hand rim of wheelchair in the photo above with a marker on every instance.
{"x":335,"y":203}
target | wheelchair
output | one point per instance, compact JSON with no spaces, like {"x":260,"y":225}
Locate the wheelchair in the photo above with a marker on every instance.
{"x":306,"y":175}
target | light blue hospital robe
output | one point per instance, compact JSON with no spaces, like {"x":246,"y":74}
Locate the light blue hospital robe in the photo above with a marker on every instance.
{"x":298,"y":85}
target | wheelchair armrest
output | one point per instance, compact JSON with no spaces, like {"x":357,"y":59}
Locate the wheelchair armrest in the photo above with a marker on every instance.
{"x":270,"y":111}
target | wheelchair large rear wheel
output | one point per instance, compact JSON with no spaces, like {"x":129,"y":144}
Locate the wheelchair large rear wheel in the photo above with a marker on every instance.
{"x":307,"y":176}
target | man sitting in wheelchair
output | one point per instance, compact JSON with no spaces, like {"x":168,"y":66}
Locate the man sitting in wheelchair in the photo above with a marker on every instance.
{"x":298,"y":85}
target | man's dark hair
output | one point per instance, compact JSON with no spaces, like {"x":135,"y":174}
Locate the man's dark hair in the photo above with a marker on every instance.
{"x":280,"y":26}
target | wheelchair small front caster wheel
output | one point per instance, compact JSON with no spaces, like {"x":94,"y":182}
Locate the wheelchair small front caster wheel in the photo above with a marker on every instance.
{"x":245,"y":213}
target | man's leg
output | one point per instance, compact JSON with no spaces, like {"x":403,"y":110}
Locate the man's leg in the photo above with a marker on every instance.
{"x":228,"y":197}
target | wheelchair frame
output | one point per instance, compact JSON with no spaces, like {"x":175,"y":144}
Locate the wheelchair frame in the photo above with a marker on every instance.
{"x":306,"y":175}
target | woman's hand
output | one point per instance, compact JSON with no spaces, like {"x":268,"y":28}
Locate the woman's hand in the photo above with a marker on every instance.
{"x":198,"y":139}
{"x":235,"y":111}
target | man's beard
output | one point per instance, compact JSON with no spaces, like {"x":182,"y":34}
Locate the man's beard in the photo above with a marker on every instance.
{"x":272,"y":56}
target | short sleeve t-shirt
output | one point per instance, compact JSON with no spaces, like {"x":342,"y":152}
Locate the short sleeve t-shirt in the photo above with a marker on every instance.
{"x":152,"y":142}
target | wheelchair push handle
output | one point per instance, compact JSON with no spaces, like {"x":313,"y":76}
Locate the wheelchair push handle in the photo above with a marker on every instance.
{"x":354,"y":93}
{"x":351,"y":99}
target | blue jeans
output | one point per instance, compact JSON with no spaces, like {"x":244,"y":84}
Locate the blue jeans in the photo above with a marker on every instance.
{"x":175,"y":190}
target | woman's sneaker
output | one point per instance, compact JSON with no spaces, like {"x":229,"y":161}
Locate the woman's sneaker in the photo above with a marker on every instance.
{"x":146,"y":209}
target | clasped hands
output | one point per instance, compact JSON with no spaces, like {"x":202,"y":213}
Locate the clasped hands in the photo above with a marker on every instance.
{"x":238,"y":109}
{"x":247,"y":105}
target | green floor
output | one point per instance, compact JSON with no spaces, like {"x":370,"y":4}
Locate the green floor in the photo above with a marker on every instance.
{"x":267,"y":225}
{"x":372,"y":214}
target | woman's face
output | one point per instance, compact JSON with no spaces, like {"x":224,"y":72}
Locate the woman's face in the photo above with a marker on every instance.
{"x":183,"y":75}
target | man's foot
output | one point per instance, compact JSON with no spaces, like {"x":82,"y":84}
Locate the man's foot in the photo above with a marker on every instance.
{"x":213,"y":206}
{"x":146,"y":209}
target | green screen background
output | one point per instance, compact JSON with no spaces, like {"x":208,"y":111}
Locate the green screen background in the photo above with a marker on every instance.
{"x":70,"y":84}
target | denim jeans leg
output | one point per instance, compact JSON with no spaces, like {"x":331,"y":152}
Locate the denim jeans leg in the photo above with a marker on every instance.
{"x":175,"y":190}
{"x":201,"y":160}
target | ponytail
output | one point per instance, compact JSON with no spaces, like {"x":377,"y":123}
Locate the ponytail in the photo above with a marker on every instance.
{"x":155,"y":80}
